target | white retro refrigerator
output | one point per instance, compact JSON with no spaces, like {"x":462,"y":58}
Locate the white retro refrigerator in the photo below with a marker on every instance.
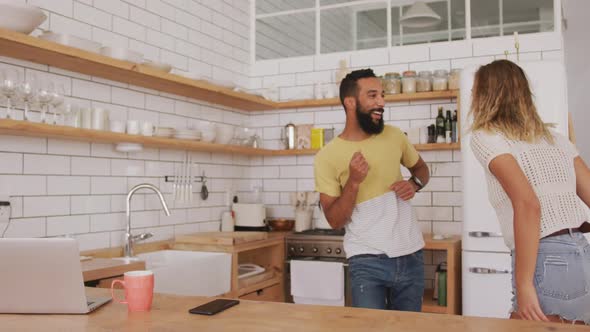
{"x":486,"y":268}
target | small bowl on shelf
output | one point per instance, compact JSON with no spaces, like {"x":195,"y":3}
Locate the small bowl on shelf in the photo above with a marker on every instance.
{"x":20,"y":17}
{"x":121,"y":53}
{"x":159,"y":66}
{"x":281,"y":224}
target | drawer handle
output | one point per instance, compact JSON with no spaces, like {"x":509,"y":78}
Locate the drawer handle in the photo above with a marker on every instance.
{"x":484,"y":234}
{"x":487,"y":270}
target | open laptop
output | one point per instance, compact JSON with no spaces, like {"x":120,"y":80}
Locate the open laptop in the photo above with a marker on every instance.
{"x":44,"y":276}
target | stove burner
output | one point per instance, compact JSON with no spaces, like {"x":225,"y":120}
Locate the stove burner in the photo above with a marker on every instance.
{"x":319,"y":231}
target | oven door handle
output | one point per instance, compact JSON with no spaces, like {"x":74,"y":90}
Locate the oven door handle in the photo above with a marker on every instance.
{"x":289,"y":262}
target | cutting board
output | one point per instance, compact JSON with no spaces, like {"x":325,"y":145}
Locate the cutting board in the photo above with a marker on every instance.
{"x":222,"y":238}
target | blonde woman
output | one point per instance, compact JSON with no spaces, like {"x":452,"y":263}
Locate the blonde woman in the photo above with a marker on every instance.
{"x":535,"y":182}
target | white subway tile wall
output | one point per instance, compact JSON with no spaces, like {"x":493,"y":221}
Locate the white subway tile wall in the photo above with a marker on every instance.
{"x":61,"y":187}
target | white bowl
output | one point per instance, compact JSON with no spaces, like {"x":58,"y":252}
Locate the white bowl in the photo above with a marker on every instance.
{"x":20,"y":17}
{"x":71,"y":40}
{"x":208,"y":135}
{"x":122,"y":54}
{"x":223,"y":133}
{"x":159,"y":66}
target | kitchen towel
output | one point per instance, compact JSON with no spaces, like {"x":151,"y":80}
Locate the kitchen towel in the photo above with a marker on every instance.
{"x":317,"y":282}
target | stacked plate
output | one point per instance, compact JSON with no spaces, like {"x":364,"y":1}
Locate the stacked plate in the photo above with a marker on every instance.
{"x":191,"y":134}
{"x":164,"y":132}
{"x":128,"y":147}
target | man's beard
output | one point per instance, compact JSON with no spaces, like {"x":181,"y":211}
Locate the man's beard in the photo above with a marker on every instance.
{"x":366,"y":122}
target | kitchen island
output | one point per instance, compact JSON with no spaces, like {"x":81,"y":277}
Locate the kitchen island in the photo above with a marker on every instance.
{"x":170,"y":313}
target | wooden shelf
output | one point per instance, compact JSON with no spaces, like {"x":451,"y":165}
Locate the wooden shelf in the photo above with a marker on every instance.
{"x":438,"y":146}
{"x":29,"y":48}
{"x":23,"y":128}
{"x":25,"y":47}
{"x":32,"y":129}
{"x":447,"y":94}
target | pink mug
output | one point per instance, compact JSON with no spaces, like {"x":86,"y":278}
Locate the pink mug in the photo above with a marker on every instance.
{"x":139,"y":290}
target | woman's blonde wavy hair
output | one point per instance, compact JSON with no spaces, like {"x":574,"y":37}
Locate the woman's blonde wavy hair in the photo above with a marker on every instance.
{"x":502,"y":101}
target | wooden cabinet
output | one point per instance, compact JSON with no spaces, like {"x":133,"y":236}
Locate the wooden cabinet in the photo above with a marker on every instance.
{"x":268,"y":253}
{"x":269,"y":294}
{"x":452,"y":247}
{"x":100,"y":272}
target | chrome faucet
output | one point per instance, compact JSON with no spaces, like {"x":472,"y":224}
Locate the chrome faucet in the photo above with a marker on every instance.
{"x":130,"y":239}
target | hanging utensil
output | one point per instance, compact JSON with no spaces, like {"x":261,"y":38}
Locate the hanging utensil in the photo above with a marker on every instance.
{"x":183,"y":181}
{"x":190,"y":177}
{"x":175,"y":183}
{"x":204,"y":190}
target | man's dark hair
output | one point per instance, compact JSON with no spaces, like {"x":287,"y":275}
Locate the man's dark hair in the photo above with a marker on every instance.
{"x":349,"y":87}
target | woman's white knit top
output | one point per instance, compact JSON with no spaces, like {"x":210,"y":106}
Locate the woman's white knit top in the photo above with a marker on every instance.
{"x":550,"y":171}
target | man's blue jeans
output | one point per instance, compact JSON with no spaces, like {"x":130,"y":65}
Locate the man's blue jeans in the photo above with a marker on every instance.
{"x":380,"y":282}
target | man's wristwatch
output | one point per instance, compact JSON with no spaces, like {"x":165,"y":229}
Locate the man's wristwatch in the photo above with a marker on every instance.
{"x":417,"y":182}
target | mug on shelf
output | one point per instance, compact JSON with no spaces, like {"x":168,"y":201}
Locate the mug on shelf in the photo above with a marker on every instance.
{"x":86,"y":118}
{"x":139,"y":290}
{"x":99,"y":118}
{"x":133,"y":127}
{"x":117,"y":126}
{"x":147,"y":128}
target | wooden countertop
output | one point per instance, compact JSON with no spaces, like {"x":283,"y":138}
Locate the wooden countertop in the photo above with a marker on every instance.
{"x":100,"y":268}
{"x":170,"y":313}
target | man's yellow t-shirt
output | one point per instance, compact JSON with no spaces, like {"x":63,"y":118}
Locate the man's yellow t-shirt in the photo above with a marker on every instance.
{"x":384,"y":153}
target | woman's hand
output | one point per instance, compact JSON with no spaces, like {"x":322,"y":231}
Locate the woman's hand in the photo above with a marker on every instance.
{"x":528,"y":304}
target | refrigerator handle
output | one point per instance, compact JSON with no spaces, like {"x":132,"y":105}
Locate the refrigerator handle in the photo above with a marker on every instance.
{"x":484,"y":234}
{"x":487,"y":270}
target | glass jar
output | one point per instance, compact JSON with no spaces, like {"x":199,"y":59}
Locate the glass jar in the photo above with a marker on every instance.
{"x":424,"y":81}
{"x":409,"y":82}
{"x":454,"y":79}
{"x":392,"y":83}
{"x":440,"y":80}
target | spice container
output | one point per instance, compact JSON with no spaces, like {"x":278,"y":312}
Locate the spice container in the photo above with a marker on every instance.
{"x":440,"y":80}
{"x":392,"y":83}
{"x":409,"y":82}
{"x":454,"y":79}
{"x":424,"y":81}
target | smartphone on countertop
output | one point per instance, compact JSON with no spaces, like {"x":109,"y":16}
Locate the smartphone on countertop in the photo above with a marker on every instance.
{"x":213,"y":307}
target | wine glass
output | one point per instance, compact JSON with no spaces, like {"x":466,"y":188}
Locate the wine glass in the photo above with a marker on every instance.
{"x":44,"y":97}
{"x":26,"y":92}
{"x":9,"y":78}
{"x":71,"y":115}
{"x":57,"y":94}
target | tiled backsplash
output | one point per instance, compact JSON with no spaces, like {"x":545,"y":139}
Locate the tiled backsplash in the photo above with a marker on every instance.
{"x":77,"y":188}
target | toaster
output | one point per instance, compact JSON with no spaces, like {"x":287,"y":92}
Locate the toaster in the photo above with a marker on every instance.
{"x":249,"y":215}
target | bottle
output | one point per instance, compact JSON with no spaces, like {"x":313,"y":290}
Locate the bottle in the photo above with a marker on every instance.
{"x":442,"y":284}
{"x":342,"y":71}
{"x":227,"y":221}
{"x":448,"y":127}
{"x":440,"y":126}
{"x":431,"y":134}
{"x":454,"y":127}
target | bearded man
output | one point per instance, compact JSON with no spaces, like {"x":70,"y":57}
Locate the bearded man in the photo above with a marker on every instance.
{"x":358,"y":175}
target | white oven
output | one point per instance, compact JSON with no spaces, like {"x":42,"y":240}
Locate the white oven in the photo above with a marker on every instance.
{"x":317,"y":245}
